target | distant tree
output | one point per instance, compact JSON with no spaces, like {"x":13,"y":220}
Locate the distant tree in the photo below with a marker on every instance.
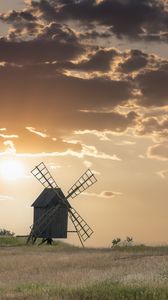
{"x":4,"y":232}
{"x":129,"y":240}
{"x":115,"y":242}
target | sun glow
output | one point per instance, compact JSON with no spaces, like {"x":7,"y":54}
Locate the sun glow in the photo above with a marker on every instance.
{"x":11,"y":169}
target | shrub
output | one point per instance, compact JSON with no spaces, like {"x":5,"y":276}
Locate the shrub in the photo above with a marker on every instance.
{"x":5,"y":232}
{"x":116,"y":242}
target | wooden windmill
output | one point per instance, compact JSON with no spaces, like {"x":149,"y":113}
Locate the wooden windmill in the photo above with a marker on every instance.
{"x":52,"y":208}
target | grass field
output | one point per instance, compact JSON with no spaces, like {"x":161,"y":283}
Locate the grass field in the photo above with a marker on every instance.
{"x":63,"y":272}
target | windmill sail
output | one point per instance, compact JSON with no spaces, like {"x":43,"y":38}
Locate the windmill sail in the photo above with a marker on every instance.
{"x":43,"y":175}
{"x":80,"y":225}
{"x":83,"y":183}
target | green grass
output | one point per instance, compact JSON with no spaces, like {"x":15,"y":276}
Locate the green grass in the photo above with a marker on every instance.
{"x":100,"y":291}
{"x":12,"y":241}
{"x":8,"y":241}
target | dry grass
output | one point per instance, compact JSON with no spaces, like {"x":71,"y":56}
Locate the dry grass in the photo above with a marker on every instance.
{"x":26,"y":271}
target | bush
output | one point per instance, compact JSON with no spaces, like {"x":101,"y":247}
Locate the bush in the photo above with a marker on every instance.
{"x":118,"y":242}
{"x":4,"y":232}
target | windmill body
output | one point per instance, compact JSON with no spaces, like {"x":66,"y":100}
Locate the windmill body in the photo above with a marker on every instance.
{"x":52,"y":209}
{"x":58,"y":225}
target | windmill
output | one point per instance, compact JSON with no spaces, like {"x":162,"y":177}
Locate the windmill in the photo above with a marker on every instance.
{"x":52,"y":208}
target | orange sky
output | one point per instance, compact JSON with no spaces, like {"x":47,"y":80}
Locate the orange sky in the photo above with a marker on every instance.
{"x":84,"y":85}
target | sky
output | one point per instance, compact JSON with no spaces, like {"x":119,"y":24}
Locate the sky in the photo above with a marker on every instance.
{"x":84,"y":84}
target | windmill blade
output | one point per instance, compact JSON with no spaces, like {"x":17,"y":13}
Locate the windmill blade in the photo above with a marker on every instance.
{"x":43,"y":175}
{"x":42,"y":223}
{"x":83,"y":229}
{"x":84,"y":182}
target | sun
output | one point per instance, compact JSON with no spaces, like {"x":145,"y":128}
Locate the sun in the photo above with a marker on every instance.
{"x":11,"y":169}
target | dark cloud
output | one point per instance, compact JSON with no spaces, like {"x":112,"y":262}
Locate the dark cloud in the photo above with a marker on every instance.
{"x":131,"y":18}
{"x":27,"y":30}
{"x":91,"y":93}
{"x":101,"y":121}
{"x":154,"y":87}
{"x":23,"y":24}
{"x":33,"y":88}
{"x":47,"y":10}
{"x":15,"y":16}
{"x":37,"y":95}
{"x":58,"y":32}
{"x":134,"y":19}
{"x":38,"y":50}
{"x":49,"y":72}
{"x":108,"y":194}
{"x":99,"y":61}
{"x":136,"y":61}
{"x":94,"y":34}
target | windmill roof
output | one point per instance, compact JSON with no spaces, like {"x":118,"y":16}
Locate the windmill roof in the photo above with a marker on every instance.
{"x":47,"y":197}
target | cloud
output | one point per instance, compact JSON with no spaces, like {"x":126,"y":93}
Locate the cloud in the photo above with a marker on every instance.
{"x":46,"y":10}
{"x":56,"y":31}
{"x":9,"y":147}
{"x":158,"y":151}
{"x":102,"y":135}
{"x":134,"y":19}
{"x":153,"y":86}
{"x":33,"y":130}
{"x":136,"y":60}
{"x":85,"y":152}
{"x":15,"y":16}
{"x":22,"y":23}
{"x":6,"y":198}
{"x":99,"y":61}
{"x":8,"y":136}
{"x":125,"y":143}
{"x":94,"y":34}
{"x":104,"y":194}
{"x":48,"y":61}
{"x":38,"y":51}
{"x":2,"y":129}
{"x":72,"y":103}
{"x":34,"y":141}
{"x":163,"y":174}
{"x":91,"y":151}
{"x":53,"y":166}
{"x":154,"y":126}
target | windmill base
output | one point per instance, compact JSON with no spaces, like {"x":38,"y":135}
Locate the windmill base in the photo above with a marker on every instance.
{"x":49,"y":241}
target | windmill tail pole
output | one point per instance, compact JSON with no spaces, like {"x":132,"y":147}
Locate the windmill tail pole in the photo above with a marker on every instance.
{"x":76,"y":230}
{"x":80,"y":239}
